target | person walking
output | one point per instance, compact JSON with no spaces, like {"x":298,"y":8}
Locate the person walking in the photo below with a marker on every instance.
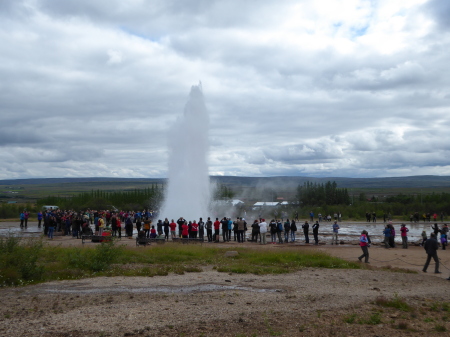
{"x":364,"y":244}
{"x":431,"y":246}
{"x":334,"y":238}
{"x":404,"y":234}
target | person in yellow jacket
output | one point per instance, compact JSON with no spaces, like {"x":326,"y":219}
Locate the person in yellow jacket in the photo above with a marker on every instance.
{"x":101,"y":225}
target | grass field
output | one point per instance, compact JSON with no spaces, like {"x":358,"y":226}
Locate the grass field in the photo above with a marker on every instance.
{"x":28,"y":261}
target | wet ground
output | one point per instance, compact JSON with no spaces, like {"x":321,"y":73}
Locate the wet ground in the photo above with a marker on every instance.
{"x":348,"y":230}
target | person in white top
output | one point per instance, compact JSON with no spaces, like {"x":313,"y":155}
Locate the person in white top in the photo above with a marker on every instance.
{"x":263,"y":231}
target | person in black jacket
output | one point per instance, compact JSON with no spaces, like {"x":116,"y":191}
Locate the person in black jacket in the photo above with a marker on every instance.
{"x":431,"y":246}
{"x":224,"y":223}
{"x":255,"y":231}
{"x":305,"y":227}
{"x":293,"y":230}
{"x":315,"y":228}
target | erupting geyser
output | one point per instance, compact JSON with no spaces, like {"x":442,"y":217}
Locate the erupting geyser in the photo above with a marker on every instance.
{"x":188,"y":193}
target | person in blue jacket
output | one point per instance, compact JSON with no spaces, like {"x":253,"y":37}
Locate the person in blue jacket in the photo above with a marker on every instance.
{"x":387,"y":236}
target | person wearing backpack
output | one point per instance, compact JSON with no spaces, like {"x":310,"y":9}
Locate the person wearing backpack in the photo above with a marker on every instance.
{"x":293,"y":230}
{"x":287,"y":229}
{"x":273,"y":231}
{"x":279,"y":230}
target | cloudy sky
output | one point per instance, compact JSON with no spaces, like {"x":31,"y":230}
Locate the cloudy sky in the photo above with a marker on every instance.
{"x":354,"y":88}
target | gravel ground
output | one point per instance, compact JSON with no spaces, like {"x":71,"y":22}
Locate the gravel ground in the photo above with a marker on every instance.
{"x":311,"y":302}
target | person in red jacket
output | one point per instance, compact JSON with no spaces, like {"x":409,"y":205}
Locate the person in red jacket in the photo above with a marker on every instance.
{"x":404,"y":234}
{"x":364,"y":243}
{"x":173,"y":228}
{"x":216,"y":230}
{"x":194,"y":229}
{"x":185,"y":231}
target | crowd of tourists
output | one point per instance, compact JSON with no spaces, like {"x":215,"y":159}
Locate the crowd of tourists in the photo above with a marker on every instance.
{"x":225,"y":229}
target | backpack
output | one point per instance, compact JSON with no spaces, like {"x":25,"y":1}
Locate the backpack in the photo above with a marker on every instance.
{"x":280,"y":227}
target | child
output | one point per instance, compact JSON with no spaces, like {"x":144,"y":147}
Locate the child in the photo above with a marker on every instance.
{"x":153,"y":232}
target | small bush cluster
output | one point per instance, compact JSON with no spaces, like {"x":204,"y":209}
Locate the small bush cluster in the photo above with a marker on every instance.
{"x":19,"y":261}
{"x":396,"y":302}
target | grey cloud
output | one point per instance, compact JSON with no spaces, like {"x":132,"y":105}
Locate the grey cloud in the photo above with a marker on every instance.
{"x":440,"y":10}
{"x":105,"y":81}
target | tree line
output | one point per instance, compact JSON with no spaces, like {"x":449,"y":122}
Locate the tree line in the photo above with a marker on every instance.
{"x":137,"y":199}
{"x":322,"y":194}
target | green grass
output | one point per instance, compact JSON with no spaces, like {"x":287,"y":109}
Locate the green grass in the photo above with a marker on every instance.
{"x":440,"y":328}
{"x":397,"y":303}
{"x":30,"y":261}
{"x":350,"y":319}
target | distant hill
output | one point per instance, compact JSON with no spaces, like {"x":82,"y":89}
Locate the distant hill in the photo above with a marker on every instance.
{"x":388,"y":182}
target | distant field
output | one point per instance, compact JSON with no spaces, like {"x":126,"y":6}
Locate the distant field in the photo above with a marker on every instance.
{"x":260,"y":189}
{"x":31,"y":193}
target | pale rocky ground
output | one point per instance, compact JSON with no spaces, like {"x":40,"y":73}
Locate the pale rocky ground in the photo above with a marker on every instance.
{"x":311,"y":302}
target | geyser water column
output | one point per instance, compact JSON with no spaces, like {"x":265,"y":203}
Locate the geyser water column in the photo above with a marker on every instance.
{"x":187,"y":194}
